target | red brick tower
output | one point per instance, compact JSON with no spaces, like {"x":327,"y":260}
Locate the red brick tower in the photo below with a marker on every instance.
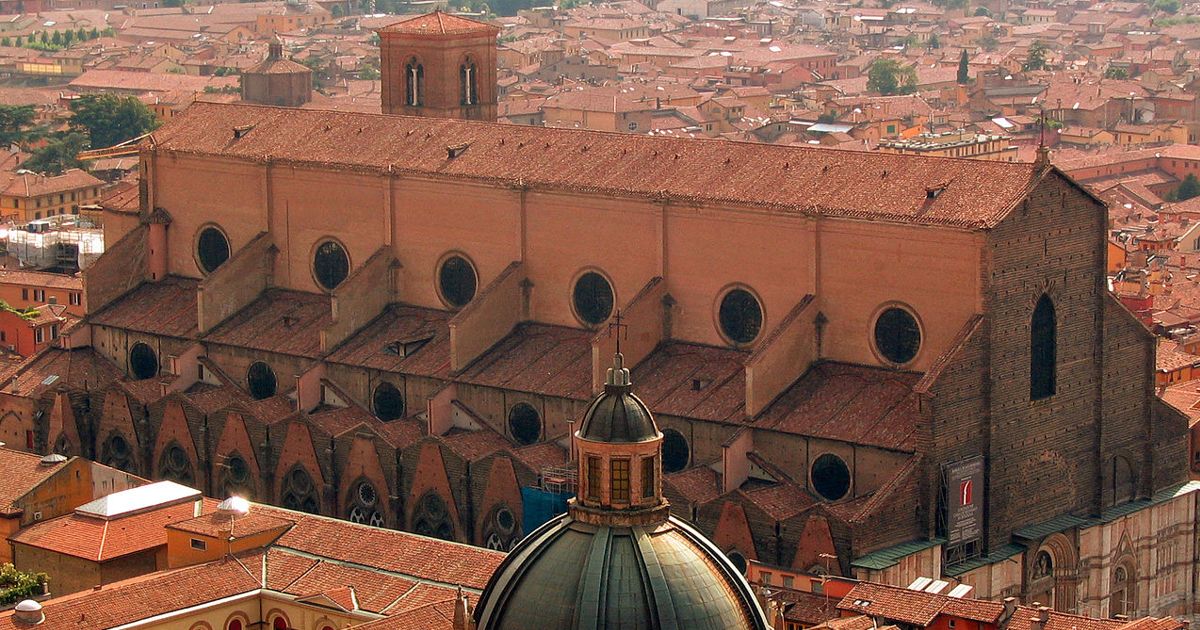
{"x":439,"y":65}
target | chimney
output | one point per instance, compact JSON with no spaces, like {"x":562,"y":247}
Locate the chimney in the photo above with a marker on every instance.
{"x":1010,"y":607}
{"x":1039,"y":622}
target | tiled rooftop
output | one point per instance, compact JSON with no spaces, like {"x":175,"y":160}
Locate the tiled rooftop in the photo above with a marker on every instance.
{"x":167,"y":307}
{"x":281,"y":321}
{"x":22,"y":473}
{"x":977,"y":194}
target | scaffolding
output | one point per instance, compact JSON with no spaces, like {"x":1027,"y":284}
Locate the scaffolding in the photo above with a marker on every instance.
{"x":549,"y":498}
{"x":50,"y":244}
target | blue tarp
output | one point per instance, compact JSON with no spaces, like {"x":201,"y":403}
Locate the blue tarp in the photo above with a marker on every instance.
{"x":539,"y":506}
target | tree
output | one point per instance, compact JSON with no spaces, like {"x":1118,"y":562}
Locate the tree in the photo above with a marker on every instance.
{"x":13,"y":120}
{"x":983,"y":12}
{"x":934,"y":43}
{"x":95,"y":34}
{"x":1037,"y":57}
{"x":18,"y":42}
{"x":60,"y":154}
{"x":56,"y":39}
{"x":964,"y":66}
{"x":1188,"y":188}
{"x":108,"y":119}
{"x":888,"y":77}
{"x":4,"y":41}
{"x":81,"y":34}
{"x":44,"y":38}
{"x":68,"y":37}
{"x":1167,"y":6}
{"x":988,"y":42}
{"x":1116,"y":72}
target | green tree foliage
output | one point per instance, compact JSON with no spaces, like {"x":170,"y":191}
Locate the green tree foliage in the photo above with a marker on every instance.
{"x":174,"y":3}
{"x":888,"y":77}
{"x":95,"y":34}
{"x":1037,"y":57}
{"x":68,"y":37}
{"x":59,"y":154}
{"x":81,"y":34}
{"x":18,"y":42}
{"x":983,"y":12}
{"x":369,"y":73}
{"x":1188,"y":188}
{"x":56,"y":39}
{"x":17,"y":585}
{"x":108,"y":119}
{"x":44,"y":38}
{"x":1166,"y":6}
{"x":988,"y":42}
{"x":13,"y":121}
{"x":5,"y":41}
{"x":1116,"y":72}
{"x":934,"y":43}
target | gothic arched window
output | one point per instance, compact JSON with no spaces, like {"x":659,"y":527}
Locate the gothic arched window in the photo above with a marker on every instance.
{"x":235,"y":477}
{"x":1123,"y":600}
{"x":500,"y":529}
{"x":299,"y":492}
{"x":468,"y":82}
{"x":363,"y":506}
{"x":1043,"y":350}
{"x":432,"y":518}
{"x":175,"y":465}
{"x":414,"y":83}
{"x":117,"y":453}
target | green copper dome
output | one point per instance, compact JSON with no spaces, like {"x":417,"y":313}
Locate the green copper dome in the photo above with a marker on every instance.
{"x":573,"y":575}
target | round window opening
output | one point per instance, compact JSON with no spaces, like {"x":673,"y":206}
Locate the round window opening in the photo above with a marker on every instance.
{"x":738,"y":560}
{"x":675,"y":451}
{"x":897,"y":335}
{"x":388,"y":402}
{"x":260,"y":379}
{"x":524,"y":423}
{"x":505,"y":519}
{"x":212,"y":249}
{"x":331,"y":265}
{"x":593,"y":298}
{"x":143,"y":363}
{"x":457,"y":282}
{"x":740,"y":316}
{"x":830,"y":477}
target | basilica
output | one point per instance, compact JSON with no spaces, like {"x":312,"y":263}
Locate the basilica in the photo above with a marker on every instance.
{"x":873,"y":365}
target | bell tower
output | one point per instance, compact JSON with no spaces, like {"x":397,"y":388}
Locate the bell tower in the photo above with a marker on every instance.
{"x":439,"y":65}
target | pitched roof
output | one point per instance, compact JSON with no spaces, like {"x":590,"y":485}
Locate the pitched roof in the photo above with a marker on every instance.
{"x":35,"y":185}
{"x":977,"y":194}
{"x":438,"y":23}
{"x":22,"y":473}
{"x":100,"y":540}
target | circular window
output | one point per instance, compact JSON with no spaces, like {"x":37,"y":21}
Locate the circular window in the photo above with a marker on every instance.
{"x":738,"y":560}
{"x":897,"y":335}
{"x":212,"y":249}
{"x":260,"y":379}
{"x":675,"y":451}
{"x":456,"y":281}
{"x":524,"y":423}
{"x":505,"y":519}
{"x":593,"y":298}
{"x":366,"y":494}
{"x":331,"y":265}
{"x":388,"y":402}
{"x":143,"y":363}
{"x":740,"y":316}
{"x":830,"y":477}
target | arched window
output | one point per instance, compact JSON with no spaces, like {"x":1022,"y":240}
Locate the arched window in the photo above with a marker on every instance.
{"x":1041,"y":582}
{"x":299,"y":492}
{"x":500,"y":529}
{"x":331,"y":265}
{"x":280,"y":623}
{"x":524,"y":423}
{"x":143,"y":362}
{"x":1043,"y":350}
{"x":117,"y":453}
{"x":235,"y":477}
{"x":432,"y":518}
{"x":468,"y":82}
{"x":212,"y":249}
{"x":364,"y":505}
{"x":414,"y":83}
{"x":1123,"y":600}
{"x":175,"y":465}
{"x":260,"y":380}
{"x":387,"y":402}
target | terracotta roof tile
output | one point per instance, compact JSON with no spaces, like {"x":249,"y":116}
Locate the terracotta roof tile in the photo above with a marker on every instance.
{"x":399,"y":552}
{"x":55,"y":367}
{"x":286,"y":322}
{"x":24,"y":277}
{"x":375,"y":591}
{"x":374,"y":345}
{"x":167,"y":307}
{"x":698,"y":484}
{"x":221,"y":524}
{"x":551,"y":360}
{"x":32,"y":185}
{"x":22,"y":473}
{"x":438,"y":22}
{"x":693,"y":381}
{"x":788,"y":179}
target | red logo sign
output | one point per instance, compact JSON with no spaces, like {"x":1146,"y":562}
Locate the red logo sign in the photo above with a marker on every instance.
{"x":965,"y":492}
